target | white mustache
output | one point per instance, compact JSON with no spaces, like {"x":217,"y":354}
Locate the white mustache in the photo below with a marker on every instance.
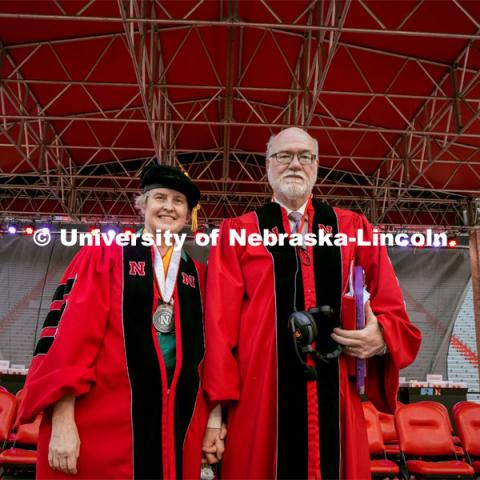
{"x":293,"y":175}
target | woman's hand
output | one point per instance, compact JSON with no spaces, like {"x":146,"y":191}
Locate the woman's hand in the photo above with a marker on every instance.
{"x":64,"y":447}
{"x":214,"y":444}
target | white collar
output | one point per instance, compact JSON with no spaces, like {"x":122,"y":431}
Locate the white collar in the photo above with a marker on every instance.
{"x":289,"y":210}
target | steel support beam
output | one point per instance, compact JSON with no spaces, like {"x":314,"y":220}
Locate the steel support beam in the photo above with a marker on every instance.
{"x":225,"y":23}
{"x":143,"y":44}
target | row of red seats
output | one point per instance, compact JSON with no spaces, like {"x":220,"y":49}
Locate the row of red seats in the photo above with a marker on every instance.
{"x":419,"y":440}
{"x":17,"y":442}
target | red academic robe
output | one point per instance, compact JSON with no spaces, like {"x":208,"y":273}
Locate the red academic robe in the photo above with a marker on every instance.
{"x":281,"y":425}
{"x":98,"y":344}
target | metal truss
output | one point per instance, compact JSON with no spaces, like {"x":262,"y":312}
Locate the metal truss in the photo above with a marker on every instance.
{"x":84,"y":164}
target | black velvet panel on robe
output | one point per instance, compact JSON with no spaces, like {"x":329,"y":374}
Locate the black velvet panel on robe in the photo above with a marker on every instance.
{"x":193,"y":349}
{"x":143,"y":366}
{"x":292,"y":420}
{"x":328,"y":283}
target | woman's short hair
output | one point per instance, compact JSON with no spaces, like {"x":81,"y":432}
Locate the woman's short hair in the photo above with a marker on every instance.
{"x":141,"y":202}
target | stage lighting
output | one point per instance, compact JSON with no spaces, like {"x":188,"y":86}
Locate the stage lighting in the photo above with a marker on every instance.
{"x":45,"y":228}
{"x":94,"y":230}
{"x":452,"y":243}
{"x":29,"y":230}
{"x":128,"y":231}
{"x":12,"y":229}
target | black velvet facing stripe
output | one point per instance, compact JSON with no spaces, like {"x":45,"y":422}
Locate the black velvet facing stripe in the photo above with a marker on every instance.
{"x":143,"y":366}
{"x":43,"y":345}
{"x":292,"y":396}
{"x":328,"y":282}
{"x":53,"y":317}
{"x":59,"y":292}
{"x":292,"y":458}
{"x":193,"y":349}
{"x":63,"y":289}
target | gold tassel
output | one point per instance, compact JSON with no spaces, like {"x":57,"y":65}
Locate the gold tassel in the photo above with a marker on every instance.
{"x":195,"y":217}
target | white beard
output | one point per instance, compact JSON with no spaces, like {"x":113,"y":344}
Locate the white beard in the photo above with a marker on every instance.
{"x":291,"y":190}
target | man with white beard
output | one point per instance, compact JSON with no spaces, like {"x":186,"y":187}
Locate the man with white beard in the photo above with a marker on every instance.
{"x":292,"y":178}
{"x":280,"y":346}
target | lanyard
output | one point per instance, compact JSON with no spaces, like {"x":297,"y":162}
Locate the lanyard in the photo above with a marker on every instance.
{"x":166,"y":283}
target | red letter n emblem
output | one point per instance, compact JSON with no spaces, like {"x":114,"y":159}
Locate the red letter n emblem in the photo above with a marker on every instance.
{"x":325,"y":228}
{"x":188,"y":280}
{"x":137,"y":268}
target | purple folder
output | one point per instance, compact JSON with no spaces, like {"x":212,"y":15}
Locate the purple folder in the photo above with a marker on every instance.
{"x":358,"y":289}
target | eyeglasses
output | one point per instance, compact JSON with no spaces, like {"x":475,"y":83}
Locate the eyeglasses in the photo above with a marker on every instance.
{"x":305,"y":158}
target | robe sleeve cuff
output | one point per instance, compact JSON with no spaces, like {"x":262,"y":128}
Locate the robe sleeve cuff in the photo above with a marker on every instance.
{"x":46,"y":391}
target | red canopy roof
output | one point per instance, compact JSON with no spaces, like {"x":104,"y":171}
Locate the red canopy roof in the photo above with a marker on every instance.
{"x":92,"y":90}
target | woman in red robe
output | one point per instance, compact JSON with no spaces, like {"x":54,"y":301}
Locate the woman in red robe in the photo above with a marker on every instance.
{"x":116,"y":370}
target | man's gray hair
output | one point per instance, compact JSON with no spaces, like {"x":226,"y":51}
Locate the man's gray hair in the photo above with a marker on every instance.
{"x":273,"y":137}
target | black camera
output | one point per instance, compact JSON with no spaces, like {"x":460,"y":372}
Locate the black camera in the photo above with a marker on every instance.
{"x":304,"y":330}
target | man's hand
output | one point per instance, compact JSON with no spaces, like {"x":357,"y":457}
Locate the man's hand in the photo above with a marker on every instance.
{"x":363,"y":343}
{"x":64,"y":447}
{"x":213,"y":444}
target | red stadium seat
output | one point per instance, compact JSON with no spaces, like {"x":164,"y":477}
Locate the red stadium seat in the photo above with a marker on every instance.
{"x":18,"y":459}
{"x":460,"y":405}
{"x":379,"y":467}
{"x":387,"y":424}
{"x":392,"y":449}
{"x":23,"y":459}
{"x":426,"y":441}
{"x":27,"y":433}
{"x":467,"y":420}
{"x":8,"y":412}
{"x":456,"y":441}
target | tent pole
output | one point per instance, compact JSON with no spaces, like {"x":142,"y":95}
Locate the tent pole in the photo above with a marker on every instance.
{"x":475,"y":267}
